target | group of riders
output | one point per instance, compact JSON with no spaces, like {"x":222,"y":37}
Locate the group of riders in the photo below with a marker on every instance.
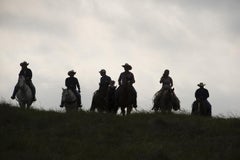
{"x":111,"y":93}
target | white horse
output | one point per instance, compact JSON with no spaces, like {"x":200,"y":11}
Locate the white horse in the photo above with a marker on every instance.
{"x":24,"y":94}
{"x":69,"y":100}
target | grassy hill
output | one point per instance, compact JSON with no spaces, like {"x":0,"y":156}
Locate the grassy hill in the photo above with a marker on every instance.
{"x":48,"y":135}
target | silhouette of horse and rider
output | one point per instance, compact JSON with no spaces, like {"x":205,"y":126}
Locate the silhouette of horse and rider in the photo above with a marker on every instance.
{"x":71,"y":97}
{"x":108,"y":97}
{"x":24,"y":91}
{"x":126,"y":95}
{"x":201,"y":105}
{"x":99,"y":100}
{"x":165,"y":99}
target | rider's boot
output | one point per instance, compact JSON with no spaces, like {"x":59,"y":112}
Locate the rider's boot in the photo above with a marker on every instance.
{"x":61,"y":105}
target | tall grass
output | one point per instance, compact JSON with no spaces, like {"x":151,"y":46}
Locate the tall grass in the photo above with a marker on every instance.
{"x":38,"y":135}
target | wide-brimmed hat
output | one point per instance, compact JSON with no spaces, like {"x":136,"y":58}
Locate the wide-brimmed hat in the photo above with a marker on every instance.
{"x":24,"y":63}
{"x":127,"y":66}
{"x":72,"y":72}
{"x":102,"y":71}
{"x":201,"y":84}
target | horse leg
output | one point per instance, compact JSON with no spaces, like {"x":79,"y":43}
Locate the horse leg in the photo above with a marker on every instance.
{"x":22,"y":105}
{"x":123,"y":111}
{"x":29,"y":105}
{"x":129,"y":109}
{"x":67,"y":109}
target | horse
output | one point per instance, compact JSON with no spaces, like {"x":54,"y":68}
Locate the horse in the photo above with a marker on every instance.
{"x":69,"y":100}
{"x":98,"y":101}
{"x":111,"y":97}
{"x":24,"y":94}
{"x":165,"y":101}
{"x":125,"y":98}
{"x":201,"y":107}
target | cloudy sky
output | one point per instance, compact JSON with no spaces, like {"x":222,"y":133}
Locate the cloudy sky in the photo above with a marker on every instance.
{"x":198,"y":41}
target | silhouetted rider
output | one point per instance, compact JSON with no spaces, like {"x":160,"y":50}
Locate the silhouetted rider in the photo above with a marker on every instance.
{"x":201,"y":93}
{"x":72,"y":83}
{"x":166,"y":80}
{"x":27,"y":74}
{"x":201,"y":103}
{"x":104,"y":82}
{"x":127,"y":78}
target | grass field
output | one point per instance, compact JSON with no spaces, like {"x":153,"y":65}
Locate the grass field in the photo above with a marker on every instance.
{"x":49,"y":135}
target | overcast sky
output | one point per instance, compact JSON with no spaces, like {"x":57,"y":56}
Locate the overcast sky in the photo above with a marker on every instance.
{"x":198,"y":41}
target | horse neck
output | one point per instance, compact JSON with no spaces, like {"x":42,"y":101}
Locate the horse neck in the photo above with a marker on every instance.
{"x":167,"y":95}
{"x":22,"y":84}
{"x":69,"y":96}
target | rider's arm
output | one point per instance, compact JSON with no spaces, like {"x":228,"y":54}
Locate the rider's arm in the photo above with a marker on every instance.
{"x":67,"y":82}
{"x":119,"y":80}
{"x":207,"y":94}
{"x":161,"y":80}
{"x":171,"y":82}
{"x":196,"y":94}
{"x":133,"y":79}
{"x":28,"y":74}
{"x":78,"y":86}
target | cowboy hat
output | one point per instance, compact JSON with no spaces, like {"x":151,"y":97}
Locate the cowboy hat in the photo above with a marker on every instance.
{"x":24,"y":63}
{"x":72,"y":72}
{"x":201,"y":84}
{"x":127,"y":66}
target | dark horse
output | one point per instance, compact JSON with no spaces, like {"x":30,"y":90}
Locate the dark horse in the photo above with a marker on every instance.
{"x":125,"y":98}
{"x":165,"y":101}
{"x":104,"y":101}
{"x":99,"y":101}
{"x":201,"y":107}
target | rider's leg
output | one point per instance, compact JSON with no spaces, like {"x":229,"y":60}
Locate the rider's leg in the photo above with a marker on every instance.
{"x":33,"y":89}
{"x":14,"y":92}
{"x":62,"y":104}
{"x":208,"y":108}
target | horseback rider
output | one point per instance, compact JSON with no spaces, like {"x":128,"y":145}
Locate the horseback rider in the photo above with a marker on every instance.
{"x":167,"y":84}
{"x":104,"y":82}
{"x":27,"y":74}
{"x":127,"y":78}
{"x":166,"y":80}
{"x":201,"y":93}
{"x":72,"y":83}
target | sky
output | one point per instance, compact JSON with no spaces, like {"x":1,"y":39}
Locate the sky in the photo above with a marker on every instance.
{"x":198,"y":41}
